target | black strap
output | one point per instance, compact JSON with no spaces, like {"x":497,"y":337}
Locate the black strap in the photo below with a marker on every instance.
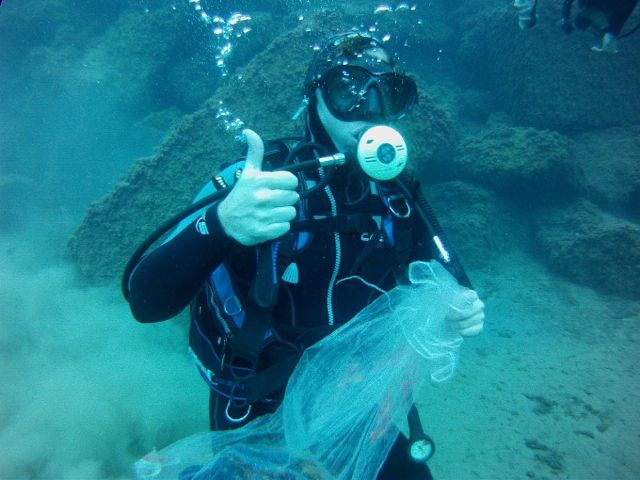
{"x":418,"y":436}
{"x":354,"y":223}
{"x":262,"y":384}
{"x":264,"y":290}
{"x":403,"y":233}
{"x":364,"y":253}
{"x":248,"y":342}
{"x":306,"y":336}
{"x":275,"y":153}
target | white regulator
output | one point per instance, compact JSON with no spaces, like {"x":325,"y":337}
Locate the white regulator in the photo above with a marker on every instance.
{"x":382,"y":152}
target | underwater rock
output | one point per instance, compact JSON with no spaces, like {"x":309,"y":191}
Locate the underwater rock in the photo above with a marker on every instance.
{"x":592,"y":247}
{"x":481,"y":226}
{"x":525,"y":164}
{"x":139,"y":57}
{"x":31,"y":24}
{"x":609,"y":162}
{"x":542,"y":77}
{"x":146,"y":57}
{"x":261,"y":96}
{"x":42,"y":42}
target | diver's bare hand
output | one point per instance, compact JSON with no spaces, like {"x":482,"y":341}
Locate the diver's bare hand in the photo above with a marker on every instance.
{"x":260,"y":206}
{"x":467,"y":316}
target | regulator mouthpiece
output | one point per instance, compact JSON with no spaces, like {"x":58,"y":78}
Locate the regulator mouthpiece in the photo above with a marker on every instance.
{"x":382,"y":152}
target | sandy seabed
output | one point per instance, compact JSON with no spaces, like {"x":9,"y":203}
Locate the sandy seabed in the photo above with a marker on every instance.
{"x":549,"y":390}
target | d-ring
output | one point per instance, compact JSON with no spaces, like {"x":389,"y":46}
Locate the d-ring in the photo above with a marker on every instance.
{"x":239,"y":419}
{"x":396,"y":213}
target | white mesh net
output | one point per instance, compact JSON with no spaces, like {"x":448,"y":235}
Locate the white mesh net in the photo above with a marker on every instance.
{"x":347,"y":399}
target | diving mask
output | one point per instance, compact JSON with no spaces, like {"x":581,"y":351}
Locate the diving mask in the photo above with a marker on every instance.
{"x":353,"y":93}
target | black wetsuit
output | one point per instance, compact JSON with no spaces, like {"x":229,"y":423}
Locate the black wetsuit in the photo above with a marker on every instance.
{"x":616,"y":11}
{"x":170,"y":277}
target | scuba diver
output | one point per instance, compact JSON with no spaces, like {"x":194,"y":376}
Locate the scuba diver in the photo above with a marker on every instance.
{"x":261,"y":267}
{"x":606,"y":17}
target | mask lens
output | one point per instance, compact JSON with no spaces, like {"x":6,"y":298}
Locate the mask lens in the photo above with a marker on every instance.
{"x":352,"y":93}
{"x":398,"y":93}
{"x":344,"y":89}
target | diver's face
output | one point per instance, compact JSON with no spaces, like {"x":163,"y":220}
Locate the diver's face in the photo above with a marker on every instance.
{"x":343,"y":134}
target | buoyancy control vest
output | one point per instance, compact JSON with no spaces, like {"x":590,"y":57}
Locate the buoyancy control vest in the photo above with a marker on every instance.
{"x":238,"y":348}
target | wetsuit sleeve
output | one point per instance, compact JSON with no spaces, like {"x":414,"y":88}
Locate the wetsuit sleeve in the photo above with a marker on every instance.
{"x":619,"y":15}
{"x":167,"y":279}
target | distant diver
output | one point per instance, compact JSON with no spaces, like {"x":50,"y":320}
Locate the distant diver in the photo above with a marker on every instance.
{"x":605,"y":17}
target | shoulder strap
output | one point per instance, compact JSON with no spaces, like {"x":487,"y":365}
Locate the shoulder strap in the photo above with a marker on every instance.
{"x":354,"y":223}
{"x":275,"y":153}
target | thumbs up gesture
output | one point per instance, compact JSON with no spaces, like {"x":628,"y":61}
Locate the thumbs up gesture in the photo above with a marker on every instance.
{"x":260,"y":204}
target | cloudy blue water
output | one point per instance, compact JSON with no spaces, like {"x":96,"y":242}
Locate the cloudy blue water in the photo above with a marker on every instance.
{"x":88,"y":88}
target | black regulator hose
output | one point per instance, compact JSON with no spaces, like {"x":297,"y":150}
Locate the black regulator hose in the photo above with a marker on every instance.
{"x":316,"y":150}
{"x":448,"y":256}
{"x":630,"y":32}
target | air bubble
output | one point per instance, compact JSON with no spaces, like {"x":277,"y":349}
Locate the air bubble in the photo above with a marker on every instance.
{"x":383,"y":9}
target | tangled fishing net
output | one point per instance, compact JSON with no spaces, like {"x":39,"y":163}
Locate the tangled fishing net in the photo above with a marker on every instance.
{"x":347,"y":400}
